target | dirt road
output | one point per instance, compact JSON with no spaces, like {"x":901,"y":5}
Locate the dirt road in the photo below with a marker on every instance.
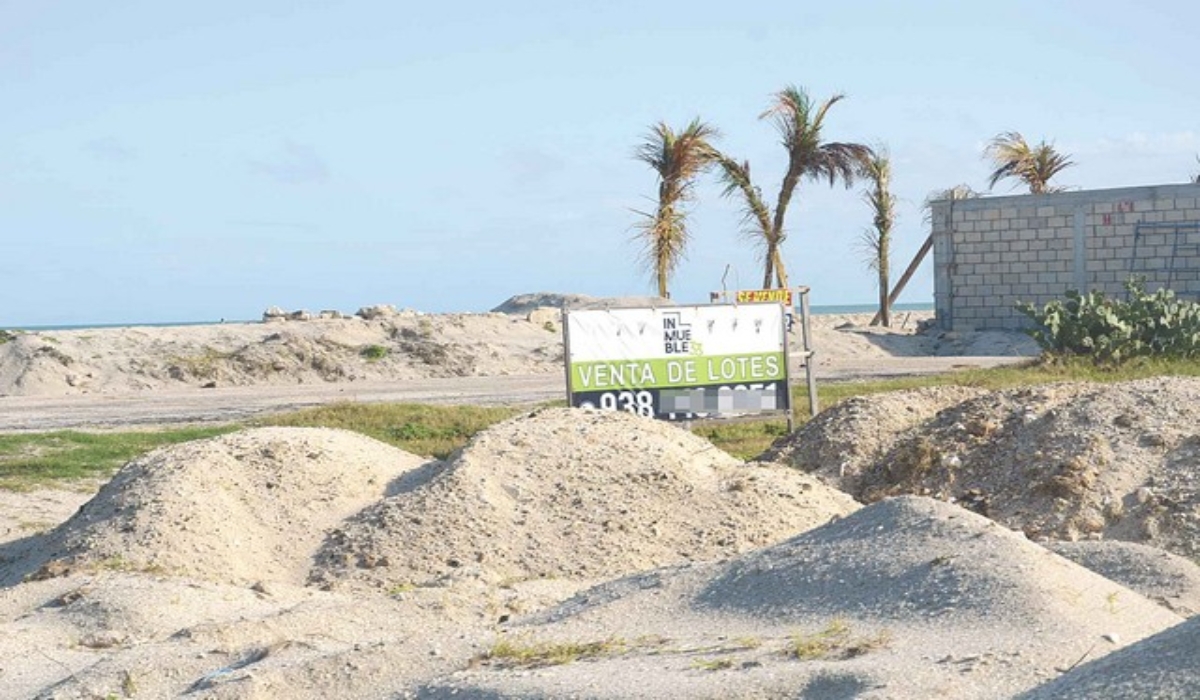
{"x":224,"y":405}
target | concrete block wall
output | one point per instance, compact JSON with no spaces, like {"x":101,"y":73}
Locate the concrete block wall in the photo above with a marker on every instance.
{"x":991,"y":252}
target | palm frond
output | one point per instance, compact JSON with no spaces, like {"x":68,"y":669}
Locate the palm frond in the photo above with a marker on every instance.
{"x":1034,"y":166}
{"x":678,"y":159}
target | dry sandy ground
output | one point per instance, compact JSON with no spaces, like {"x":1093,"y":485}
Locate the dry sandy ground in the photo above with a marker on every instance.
{"x":939,"y":543}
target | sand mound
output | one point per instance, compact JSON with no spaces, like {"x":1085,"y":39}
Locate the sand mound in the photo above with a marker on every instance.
{"x":1164,"y":667}
{"x":393,"y":347}
{"x":1063,"y":461}
{"x":1165,"y":578}
{"x":910,"y":597}
{"x":576,"y":494}
{"x":241,"y":508}
{"x":131,"y":635}
{"x":842,"y":440}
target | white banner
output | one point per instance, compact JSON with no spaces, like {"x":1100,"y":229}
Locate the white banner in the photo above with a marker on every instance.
{"x":679,"y":360}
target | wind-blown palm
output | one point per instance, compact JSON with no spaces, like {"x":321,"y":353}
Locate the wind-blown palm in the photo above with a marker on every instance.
{"x":799,"y":122}
{"x":677,"y":158}
{"x":1032,"y":165}
{"x":877,"y":241}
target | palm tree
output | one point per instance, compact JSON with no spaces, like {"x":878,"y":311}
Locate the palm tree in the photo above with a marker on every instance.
{"x":877,"y":241}
{"x":678,"y":158}
{"x":799,"y":122}
{"x":1032,"y":165}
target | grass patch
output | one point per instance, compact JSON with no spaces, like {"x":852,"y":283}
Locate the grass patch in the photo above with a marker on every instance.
{"x":525,"y":653}
{"x":31,"y":460}
{"x":417,"y":428}
{"x":834,"y":642}
{"x":712,"y":664}
{"x":744,"y":440}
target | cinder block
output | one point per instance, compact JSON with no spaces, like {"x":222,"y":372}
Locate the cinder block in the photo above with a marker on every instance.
{"x":1143,"y":205}
{"x":1103,"y":207}
{"x":1164,"y":204}
{"x":1175,"y":215}
{"x":991,"y":214}
{"x":1056,"y":221}
{"x":1045,"y":211}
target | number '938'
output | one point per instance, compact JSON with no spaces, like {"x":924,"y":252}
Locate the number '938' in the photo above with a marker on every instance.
{"x":637,"y":402}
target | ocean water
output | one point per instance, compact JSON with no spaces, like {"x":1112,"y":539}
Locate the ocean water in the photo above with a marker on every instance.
{"x":816,"y":309}
{"x":829,"y":309}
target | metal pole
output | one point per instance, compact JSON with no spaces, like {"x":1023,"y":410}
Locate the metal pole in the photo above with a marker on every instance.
{"x":809,"y":354}
{"x":566,"y":342}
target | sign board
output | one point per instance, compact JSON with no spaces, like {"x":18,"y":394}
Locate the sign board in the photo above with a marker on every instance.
{"x":679,"y":363}
{"x":765,"y":296}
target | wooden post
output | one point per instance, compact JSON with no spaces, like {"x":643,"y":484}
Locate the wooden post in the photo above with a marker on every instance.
{"x":912,"y":270}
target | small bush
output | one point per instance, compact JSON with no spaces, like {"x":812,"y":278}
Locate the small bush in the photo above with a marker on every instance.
{"x":373,"y":353}
{"x":6,"y":336}
{"x":1112,"y":331}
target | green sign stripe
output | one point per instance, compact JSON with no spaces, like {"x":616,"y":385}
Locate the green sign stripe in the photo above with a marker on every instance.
{"x":682,"y":371}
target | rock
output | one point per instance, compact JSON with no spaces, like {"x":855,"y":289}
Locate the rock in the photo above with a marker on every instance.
{"x":274,"y":313}
{"x":376,"y":311}
{"x":545,"y":315}
{"x":300,"y":315}
{"x":331,"y":314}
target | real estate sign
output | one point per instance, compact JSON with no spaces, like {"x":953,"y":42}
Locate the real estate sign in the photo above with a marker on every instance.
{"x":679,"y":362}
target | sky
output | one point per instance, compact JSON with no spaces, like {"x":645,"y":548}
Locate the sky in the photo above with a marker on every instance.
{"x":176,"y":162}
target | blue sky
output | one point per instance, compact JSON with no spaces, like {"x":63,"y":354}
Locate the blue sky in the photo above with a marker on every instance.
{"x":194,"y":161}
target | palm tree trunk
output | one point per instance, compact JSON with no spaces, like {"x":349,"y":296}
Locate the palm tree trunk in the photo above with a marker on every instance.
{"x":781,"y":277}
{"x":769,"y":264}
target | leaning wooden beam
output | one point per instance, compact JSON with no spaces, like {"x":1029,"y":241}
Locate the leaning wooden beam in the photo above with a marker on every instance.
{"x":912,"y":270}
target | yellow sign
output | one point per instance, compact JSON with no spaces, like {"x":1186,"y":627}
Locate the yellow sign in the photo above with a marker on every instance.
{"x":765,"y":296}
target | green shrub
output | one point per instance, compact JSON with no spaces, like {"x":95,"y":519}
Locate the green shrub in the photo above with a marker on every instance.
{"x":1114,"y":331}
{"x":373,"y":353}
{"x":6,"y":336}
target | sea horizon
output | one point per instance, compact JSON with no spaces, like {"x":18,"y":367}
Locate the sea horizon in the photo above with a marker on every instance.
{"x":816,"y":310}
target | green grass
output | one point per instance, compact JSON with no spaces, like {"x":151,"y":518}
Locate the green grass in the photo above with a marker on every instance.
{"x":417,"y":428}
{"x":30,"y":460}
